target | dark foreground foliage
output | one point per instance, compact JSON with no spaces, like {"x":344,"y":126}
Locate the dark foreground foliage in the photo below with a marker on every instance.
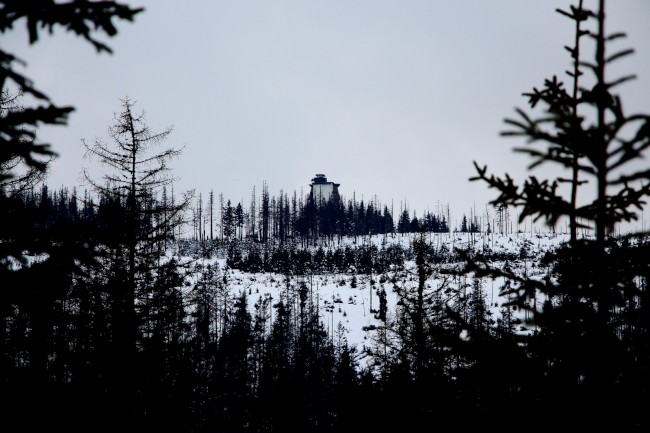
{"x":207,"y":360}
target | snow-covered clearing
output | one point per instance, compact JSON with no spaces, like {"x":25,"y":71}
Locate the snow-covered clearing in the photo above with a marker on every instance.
{"x":347,"y":302}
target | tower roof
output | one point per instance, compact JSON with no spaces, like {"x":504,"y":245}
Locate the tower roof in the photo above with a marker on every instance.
{"x":320,"y":179}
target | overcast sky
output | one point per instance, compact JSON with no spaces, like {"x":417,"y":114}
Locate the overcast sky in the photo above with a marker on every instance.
{"x":391,"y":99}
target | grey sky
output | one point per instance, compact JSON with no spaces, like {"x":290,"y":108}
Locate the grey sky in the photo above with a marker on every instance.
{"x":392,"y":99}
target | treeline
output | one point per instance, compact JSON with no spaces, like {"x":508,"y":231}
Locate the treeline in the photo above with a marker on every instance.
{"x":286,"y":218}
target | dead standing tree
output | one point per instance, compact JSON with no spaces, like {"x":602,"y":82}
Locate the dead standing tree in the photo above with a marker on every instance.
{"x":141,"y":223}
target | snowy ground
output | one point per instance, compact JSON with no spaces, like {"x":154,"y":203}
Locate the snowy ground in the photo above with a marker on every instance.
{"x":342,"y":304}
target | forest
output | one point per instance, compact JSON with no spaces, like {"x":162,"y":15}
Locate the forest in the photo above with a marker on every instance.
{"x":116,"y":314}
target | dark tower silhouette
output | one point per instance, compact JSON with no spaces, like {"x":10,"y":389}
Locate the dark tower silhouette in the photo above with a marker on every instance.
{"x":322,"y":190}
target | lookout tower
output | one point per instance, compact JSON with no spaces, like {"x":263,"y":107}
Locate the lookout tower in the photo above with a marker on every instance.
{"x":322,"y":190}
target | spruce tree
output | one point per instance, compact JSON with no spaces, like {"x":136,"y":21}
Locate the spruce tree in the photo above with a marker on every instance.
{"x":584,"y":354}
{"x":137,"y":224}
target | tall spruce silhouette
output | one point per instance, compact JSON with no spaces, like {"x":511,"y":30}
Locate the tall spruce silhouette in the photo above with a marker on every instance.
{"x":590,"y":351}
{"x":135,"y":233}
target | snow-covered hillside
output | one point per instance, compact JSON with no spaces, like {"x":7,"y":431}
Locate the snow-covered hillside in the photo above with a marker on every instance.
{"x":348,"y":301}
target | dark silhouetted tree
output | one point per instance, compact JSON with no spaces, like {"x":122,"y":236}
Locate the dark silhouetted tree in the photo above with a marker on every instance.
{"x":583,"y":350}
{"x":136,"y":228}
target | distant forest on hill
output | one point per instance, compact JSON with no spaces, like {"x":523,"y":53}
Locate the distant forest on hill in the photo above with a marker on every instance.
{"x":305,"y":219}
{"x":270,"y":242}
